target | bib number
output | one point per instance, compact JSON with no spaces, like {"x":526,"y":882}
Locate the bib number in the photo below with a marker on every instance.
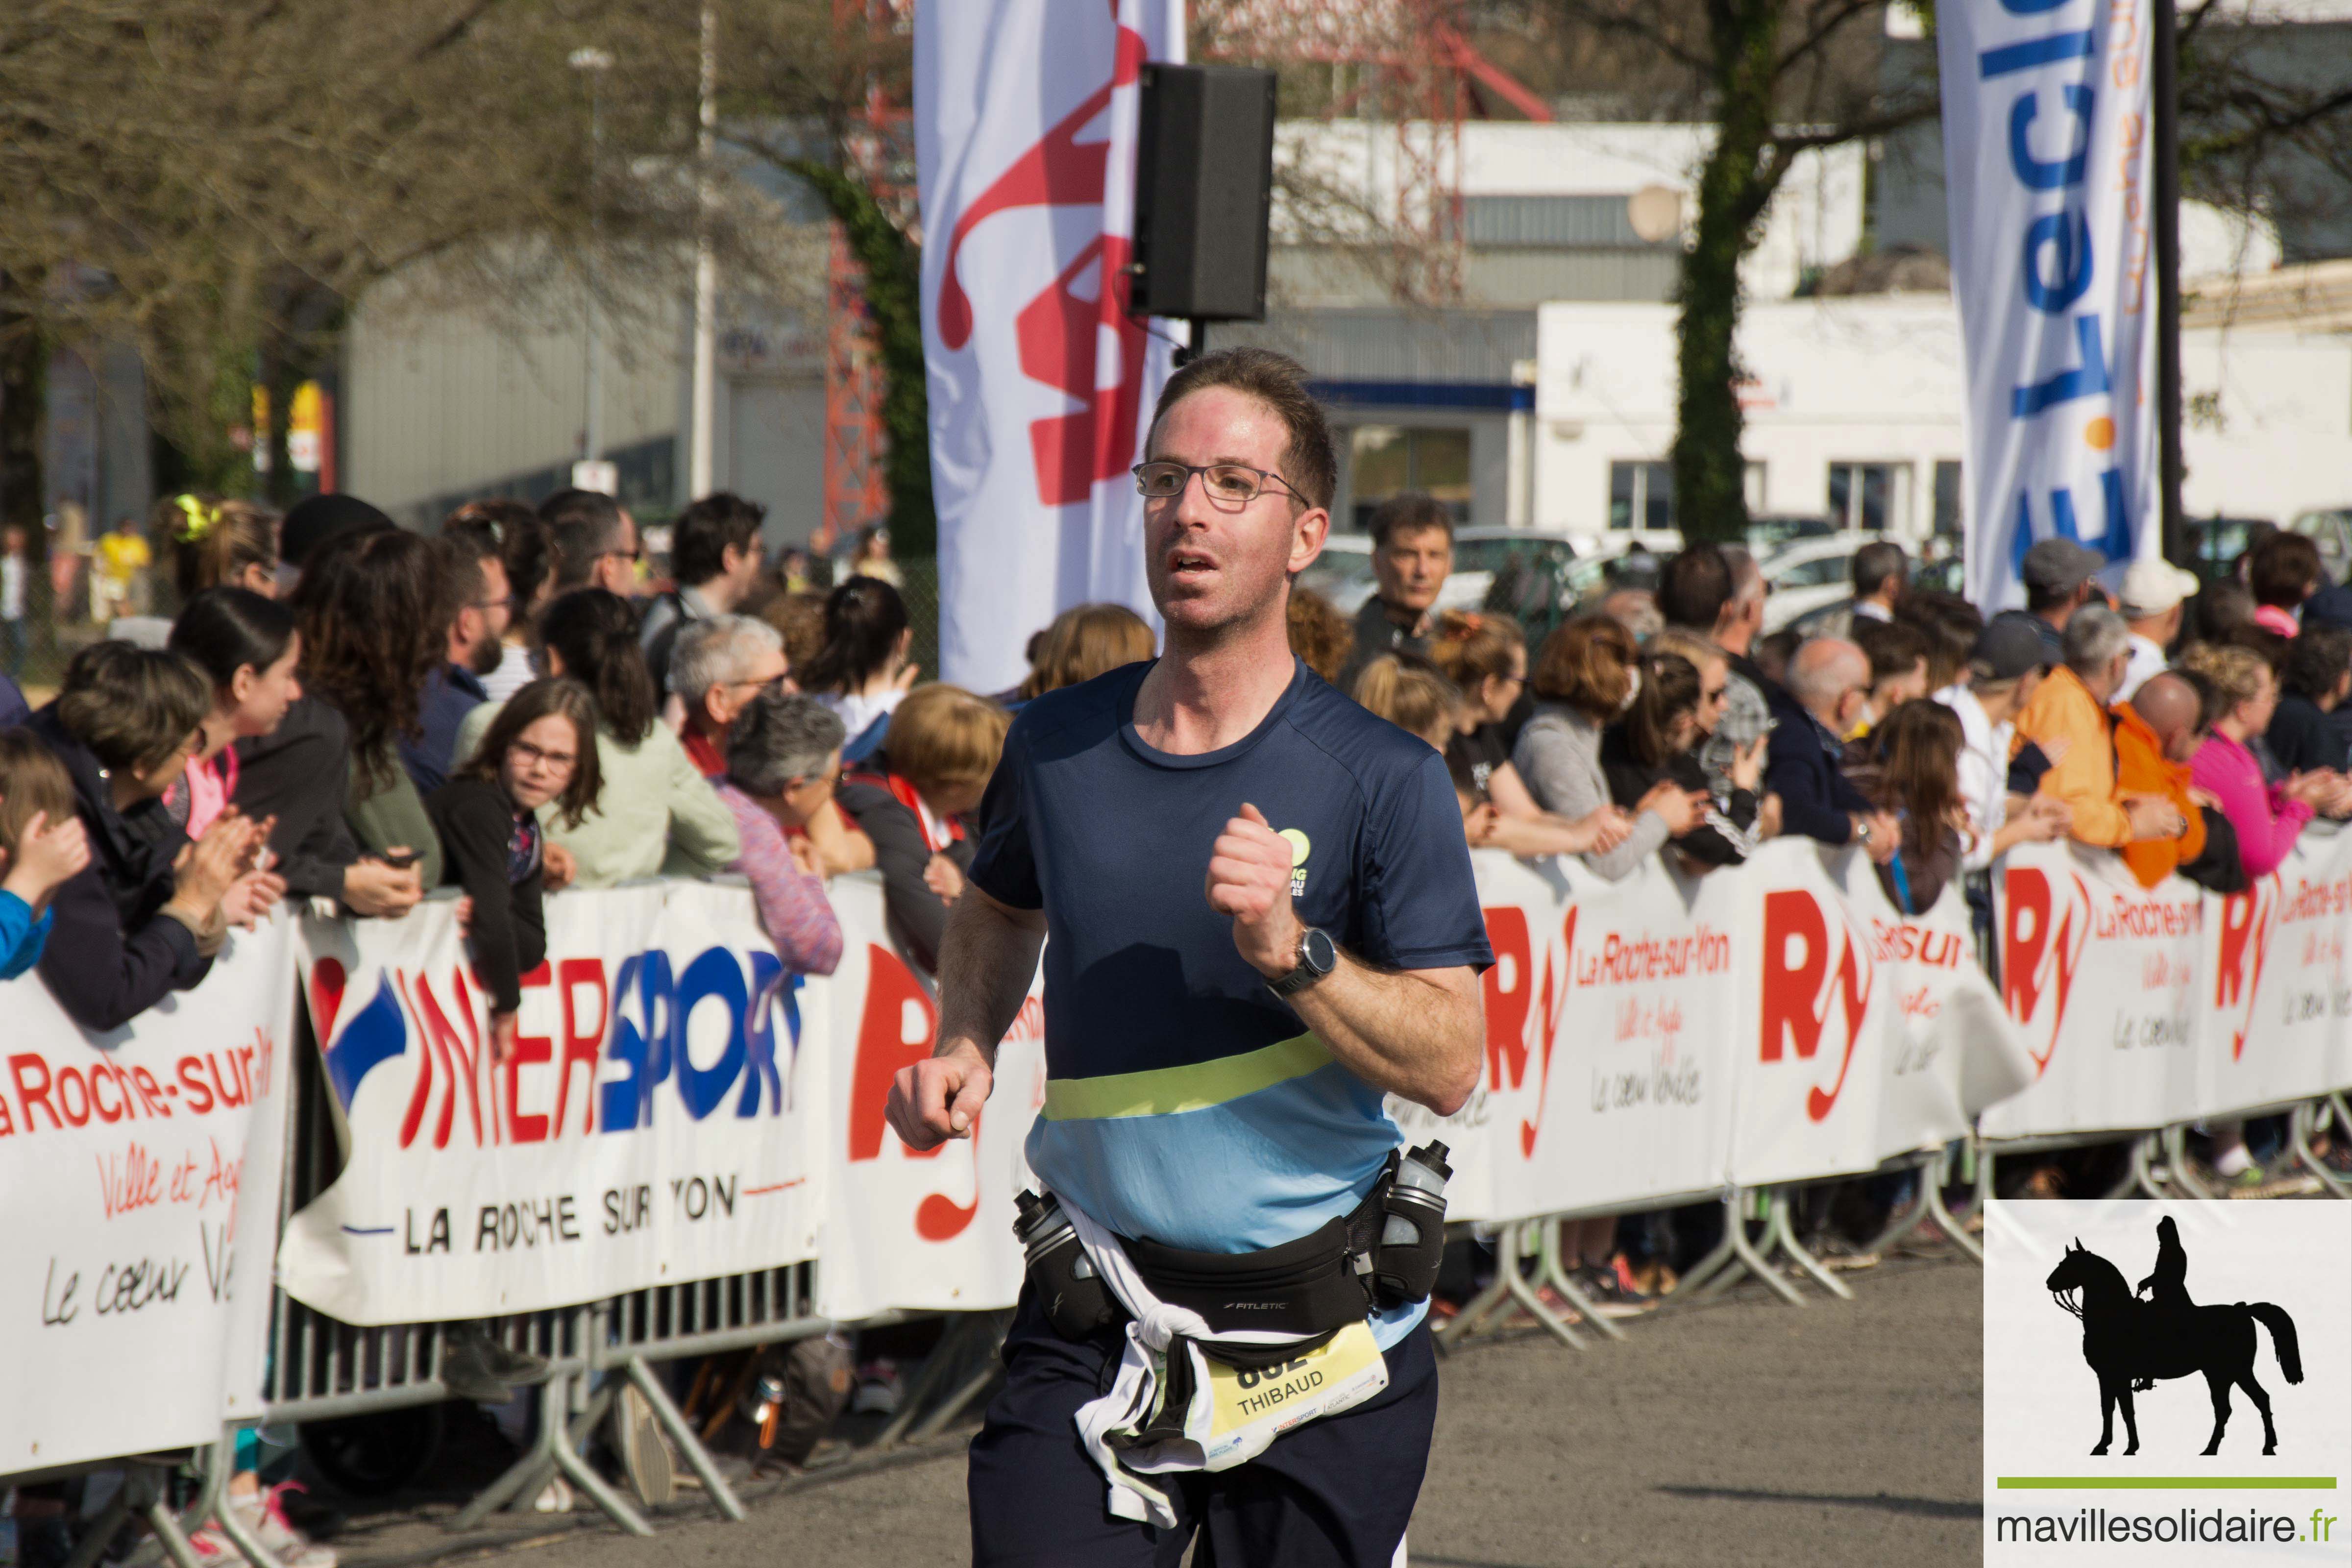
{"x":1330,"y":1377}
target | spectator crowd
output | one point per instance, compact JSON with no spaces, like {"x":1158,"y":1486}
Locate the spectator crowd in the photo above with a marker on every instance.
{"x":341,"y":709}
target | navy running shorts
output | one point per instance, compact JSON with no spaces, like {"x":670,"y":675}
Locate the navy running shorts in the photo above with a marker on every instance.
{"x":1336,"y":1493}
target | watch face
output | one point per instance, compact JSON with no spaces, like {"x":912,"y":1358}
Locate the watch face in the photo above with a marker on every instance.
{"x":1318,"y":952}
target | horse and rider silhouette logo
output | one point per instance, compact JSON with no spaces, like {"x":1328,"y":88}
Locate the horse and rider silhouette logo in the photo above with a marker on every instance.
{"x":2132,"y":1345}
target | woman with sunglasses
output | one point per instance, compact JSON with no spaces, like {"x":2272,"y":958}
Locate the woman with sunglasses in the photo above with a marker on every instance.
{"x":1656,"y":742}
{"x":1485,"y":655}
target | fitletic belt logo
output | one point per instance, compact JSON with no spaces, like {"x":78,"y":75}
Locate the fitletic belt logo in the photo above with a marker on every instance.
{"x":2132,"y":1343}
{"x":2222,"y":1333}
{"x":1300,"y":847}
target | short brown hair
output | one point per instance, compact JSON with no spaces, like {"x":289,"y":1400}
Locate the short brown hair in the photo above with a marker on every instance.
{"x":800,"y":617}
{"x":563,"y":698}
{"x":1588,"y":664}
{"x":1085,"y":641}
{"x":943,"y":735}
{"x":1895,"y":649}
{"x":1410,"y":511}
{"x":2283,"y":570}
{"x":132,"y":707}
{"x":1280,"y":383}
{"x":1320,"y":635}
{"x":32,"y":781}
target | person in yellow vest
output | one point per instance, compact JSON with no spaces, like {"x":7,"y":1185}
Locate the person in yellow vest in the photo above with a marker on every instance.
{"x":119,"y":560}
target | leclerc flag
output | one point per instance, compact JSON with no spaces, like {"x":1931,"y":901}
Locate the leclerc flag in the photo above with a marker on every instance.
{"x":1026,"y":114}
{"x":2046,"y":154}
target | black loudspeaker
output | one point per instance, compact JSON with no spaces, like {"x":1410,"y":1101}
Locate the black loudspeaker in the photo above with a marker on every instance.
{"x":1204,"y":192}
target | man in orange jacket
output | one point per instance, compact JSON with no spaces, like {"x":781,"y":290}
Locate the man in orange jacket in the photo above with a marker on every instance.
{"x":2068,"y":719}
{"x":2156,"y":735}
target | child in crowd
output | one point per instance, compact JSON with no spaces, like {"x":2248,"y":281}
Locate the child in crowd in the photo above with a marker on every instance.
{"x":912,"y":797}
{"x":15,"y":624}
{"x":42,"y":843}
{"x":541,"y":748}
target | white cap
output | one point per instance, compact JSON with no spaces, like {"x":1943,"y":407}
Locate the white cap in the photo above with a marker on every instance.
{"x":2152,"y":586}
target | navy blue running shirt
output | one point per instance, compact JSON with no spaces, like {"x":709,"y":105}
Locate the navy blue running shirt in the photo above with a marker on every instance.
{"x":1185,"y":1103}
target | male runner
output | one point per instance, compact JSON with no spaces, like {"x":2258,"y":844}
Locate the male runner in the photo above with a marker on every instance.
{"x":1190,"y":831}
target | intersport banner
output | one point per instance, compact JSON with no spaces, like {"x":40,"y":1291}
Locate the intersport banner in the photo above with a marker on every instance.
{"x":2142,"y":1007}
{"x":2047,"y":140}
{"x":664,"y":1118}
{"x":679,"y":1108}
{"x":1664,"y":1036}
{"x":138,"y":1188}
{"x":1040,"y":381}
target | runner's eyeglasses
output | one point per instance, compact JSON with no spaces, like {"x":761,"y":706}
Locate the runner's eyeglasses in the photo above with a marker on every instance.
{"x":1229,"y":485}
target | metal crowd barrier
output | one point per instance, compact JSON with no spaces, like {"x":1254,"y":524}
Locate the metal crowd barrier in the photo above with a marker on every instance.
{"x":321,"y":1369}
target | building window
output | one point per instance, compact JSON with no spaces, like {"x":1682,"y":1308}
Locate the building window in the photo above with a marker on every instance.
{"x":1384,"y":459}
{"x":1868,"y":495}
{"x":1948,"y":499}
{"x":1641,"y":495}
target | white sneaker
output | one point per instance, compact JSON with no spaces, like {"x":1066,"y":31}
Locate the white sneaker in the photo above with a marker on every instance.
{"x":554,"y":1498}
{"x":645,"y":1453}
{"x":213,"y":1549}
{"x":265,"y":1515}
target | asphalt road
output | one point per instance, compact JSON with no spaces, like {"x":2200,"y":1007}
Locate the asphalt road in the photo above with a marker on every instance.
{"x":1745,"y":1432}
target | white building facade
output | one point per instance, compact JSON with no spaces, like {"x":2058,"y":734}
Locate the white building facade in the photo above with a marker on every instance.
{"x":1853,"y":409}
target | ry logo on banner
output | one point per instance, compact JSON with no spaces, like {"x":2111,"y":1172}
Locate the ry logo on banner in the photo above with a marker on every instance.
{"x":1514,"y":999}
{"x":1801,"y":984}
{"x":2041,"y":948}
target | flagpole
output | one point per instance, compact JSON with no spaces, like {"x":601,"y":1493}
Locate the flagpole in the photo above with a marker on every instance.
{"x":2165,"y":102}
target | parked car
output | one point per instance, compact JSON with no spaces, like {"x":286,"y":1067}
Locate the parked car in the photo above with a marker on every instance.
{"x":2330,"y":528}
{"x":1532,"y":576}
{"x":1811,"y":574}
{"x":1770,"y":533}
{"x":2216,"y":542}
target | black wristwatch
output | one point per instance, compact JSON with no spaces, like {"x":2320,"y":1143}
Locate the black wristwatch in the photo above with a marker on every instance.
{"x":1318,"y":956}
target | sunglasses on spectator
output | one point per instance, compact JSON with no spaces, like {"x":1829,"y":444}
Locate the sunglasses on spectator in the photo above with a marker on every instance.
{"x":1225,"y":484}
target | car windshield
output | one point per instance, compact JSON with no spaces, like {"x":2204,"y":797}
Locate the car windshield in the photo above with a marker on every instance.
{"x":1766,"y":534}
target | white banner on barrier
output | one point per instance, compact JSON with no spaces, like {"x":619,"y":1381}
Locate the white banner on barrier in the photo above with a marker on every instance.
{"x":660,"y":1122}
{"x":2101,"y":976}
{"x":139,"y":1175}
{"x":918,"y":1232}
{"x":2280,"y":995}
{"x":1662,"y":1036}
{"x":1608,"y":1074}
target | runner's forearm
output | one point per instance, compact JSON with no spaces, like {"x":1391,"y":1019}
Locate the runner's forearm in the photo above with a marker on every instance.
{"x":986,"y":961}
{"x":1415,"y":1033}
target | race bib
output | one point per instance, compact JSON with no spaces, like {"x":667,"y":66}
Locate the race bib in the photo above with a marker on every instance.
{"x":1245,"y":1410}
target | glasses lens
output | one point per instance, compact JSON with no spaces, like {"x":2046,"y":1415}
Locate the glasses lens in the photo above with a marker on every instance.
{"x":1231,"y":482}
{"x":1159,"y":481}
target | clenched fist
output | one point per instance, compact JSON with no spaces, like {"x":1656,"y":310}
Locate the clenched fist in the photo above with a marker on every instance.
{"x":1249,"y":878}
{"x":939,"y":1098}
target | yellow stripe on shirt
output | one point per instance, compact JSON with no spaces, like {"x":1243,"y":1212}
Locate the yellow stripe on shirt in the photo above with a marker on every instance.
{"x":1165,"y":1092}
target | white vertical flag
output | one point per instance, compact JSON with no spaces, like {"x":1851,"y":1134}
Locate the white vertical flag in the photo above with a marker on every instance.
{"x":1026,"y":114}
{"x":2047,"y":157}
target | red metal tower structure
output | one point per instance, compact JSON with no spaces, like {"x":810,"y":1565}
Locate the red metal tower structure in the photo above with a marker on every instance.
{"x":1416,"y":69}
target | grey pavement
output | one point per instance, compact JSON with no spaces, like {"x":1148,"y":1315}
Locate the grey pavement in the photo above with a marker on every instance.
{"x":1741,"y":1432}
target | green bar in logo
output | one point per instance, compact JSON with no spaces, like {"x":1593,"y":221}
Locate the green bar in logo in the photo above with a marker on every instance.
{"x":2167,"y":1483}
